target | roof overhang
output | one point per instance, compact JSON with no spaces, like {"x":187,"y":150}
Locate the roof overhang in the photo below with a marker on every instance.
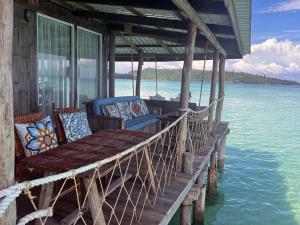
{"x":159,"y":27}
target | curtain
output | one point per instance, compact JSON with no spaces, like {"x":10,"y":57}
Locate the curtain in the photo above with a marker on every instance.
{"x":87,"y":66}
{"x":54,"y":64}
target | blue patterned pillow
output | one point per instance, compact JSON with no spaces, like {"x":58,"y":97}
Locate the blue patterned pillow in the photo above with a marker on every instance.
{"x":76,"y":125}
{"x":124,"y":110}
{"x":37,"y":137}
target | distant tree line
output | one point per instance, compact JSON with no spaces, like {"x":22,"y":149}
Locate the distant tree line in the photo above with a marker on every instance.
{"x":230,"y":77}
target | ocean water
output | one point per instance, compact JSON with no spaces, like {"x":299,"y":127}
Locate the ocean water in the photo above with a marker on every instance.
{"x":260,"y":184}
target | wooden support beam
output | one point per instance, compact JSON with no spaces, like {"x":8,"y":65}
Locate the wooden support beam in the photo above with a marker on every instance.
{"x":140,"y":19}
{"x":186,"y":212}
{"x":213,"y":90}
{"x":94,"y":200}
{"x":199,"y":207}
{"x":193,"y":15}
{"x":159,"y":57}
{"x":7,"y":144}
{"x":139,"y":74}
{"x":221,"y":154}
{"x":112,"y":55}
{"x":210,"y":7}
{"x":185,"y":88}
{"x":104,"y":77}
{"x":212,"y":174}
{"x":221,"y":90}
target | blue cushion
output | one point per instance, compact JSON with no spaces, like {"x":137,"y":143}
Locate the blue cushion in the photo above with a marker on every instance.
{"x":97,"y":104}
{"x":140,"y":122}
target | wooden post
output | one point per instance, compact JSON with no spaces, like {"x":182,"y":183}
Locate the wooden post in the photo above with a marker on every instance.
{"x":221,"y":90}
{"x":188,"y":161}
{"x":112,"y":57}
{"x":186,"y":212}
{"x":213,"y":90}
{"x":94,"y":200}
{"x":139,"y":74}
{"x":221,"y":154}
{"x":200,"y":203}
{"x":185,"y":88}
{"x":7,"y":144}
{"x":104,"y":77}
{"x":212,"y":174}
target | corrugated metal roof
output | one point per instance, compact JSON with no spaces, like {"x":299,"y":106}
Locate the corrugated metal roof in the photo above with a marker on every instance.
{"x":158,"y":45}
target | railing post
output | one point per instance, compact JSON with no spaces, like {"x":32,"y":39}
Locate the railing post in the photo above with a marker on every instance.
{"x":7,"y":143}
{"x":221,"y":90}
{"x":213,"y":91}
{"x":185,"y":89}
{"x":139,"y":74}
{"x":112,"y":58}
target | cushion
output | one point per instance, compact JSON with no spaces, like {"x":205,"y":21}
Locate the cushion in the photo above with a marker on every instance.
{"x":97,"y":103}
{"x":144,"y":107}
{"x":140,"y":122}
{"x":124,"y":110}
{"x":111,"y":110}
{"x":37,"y":137}
{"x":138,"y":108}
{"x":75,"y":125}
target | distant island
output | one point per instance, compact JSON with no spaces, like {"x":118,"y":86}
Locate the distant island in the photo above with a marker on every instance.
{"x":231,"y":77}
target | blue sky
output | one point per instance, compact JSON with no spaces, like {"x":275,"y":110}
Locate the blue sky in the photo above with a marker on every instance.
{"x":275,"y":50}
{"x":267,"y":22}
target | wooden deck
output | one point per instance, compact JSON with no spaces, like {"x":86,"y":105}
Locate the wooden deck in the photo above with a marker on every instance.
{"x":166,"y":204}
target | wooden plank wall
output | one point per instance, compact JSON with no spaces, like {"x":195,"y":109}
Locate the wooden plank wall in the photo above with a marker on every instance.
{"x":25,"y":81}
{"x":24,"y":61}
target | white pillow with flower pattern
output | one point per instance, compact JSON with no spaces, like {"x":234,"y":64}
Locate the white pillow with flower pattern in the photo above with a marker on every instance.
{"x":37,"y":137}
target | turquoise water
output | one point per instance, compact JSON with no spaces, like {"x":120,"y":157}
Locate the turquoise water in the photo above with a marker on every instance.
{"x":261,"y":180}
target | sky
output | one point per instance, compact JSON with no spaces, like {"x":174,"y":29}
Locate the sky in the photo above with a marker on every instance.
{"x":275,"y":43}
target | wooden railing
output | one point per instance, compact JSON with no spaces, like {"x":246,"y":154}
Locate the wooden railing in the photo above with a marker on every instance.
{"x":139,"y":176}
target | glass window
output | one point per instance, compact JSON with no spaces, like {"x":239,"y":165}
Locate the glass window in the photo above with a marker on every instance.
{"x":88,"y":49}
{"x":54,"y":63}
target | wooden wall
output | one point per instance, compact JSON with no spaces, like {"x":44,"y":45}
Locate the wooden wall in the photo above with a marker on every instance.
{"x":25,"y":50}
{"x":24,"y":61}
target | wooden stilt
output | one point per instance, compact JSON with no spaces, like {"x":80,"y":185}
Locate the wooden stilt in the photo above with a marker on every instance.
{"x":221,"y":154}
{"x":221,"y":90}
{"x":200,"y":203}
{"x":112,"y":57}
{"x":7,"y":145}
{"x":151,"y":177}
{"x":139,"y":74}
{"x":185,"y":88}
{"x":186,"y":212}
{"x":212,"y":174}
{"x":94,"y":201}
{"x":45,"y":196}
{"x":213,"y":90}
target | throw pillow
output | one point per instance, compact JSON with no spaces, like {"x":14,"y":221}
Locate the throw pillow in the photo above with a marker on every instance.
{"x":111,"y":110}
{"x":136,"y":108}
{"x":75,"y":125}
{"x":124,"y":110}
{"x":145,"y":110}
{"x":37,"y":137}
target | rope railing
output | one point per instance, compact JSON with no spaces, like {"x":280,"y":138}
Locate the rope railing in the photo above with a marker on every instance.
{"x":139,"y":177}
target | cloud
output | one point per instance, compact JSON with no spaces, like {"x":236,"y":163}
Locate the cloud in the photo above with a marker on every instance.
{"x":286,"y":6}
{"x":272,"y":58}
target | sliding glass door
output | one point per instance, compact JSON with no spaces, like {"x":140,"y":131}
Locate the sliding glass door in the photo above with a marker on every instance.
{"x":88,"y":65}
{"x":54,"y":63}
